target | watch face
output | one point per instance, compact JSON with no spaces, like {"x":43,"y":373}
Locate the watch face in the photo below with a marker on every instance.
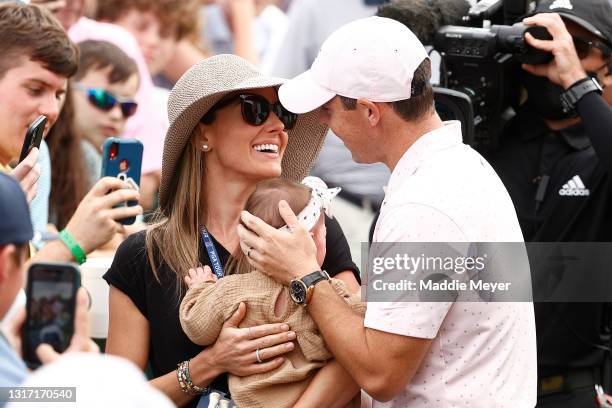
{"x":298,"y":292}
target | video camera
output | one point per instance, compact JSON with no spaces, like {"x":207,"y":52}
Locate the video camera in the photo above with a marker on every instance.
{"x":481,"y":66}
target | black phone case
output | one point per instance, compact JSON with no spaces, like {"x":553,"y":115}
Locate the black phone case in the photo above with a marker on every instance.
{"x":33,"y":136}
{"x":74,"y":278}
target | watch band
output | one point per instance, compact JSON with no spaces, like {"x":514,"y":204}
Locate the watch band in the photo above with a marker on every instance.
{"x":570,"y":98}
{"x":310,"y":281}
{"x":303,"y":288}
{"x":312,"y":278}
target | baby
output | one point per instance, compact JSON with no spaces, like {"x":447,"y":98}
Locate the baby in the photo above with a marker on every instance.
{"x":208,"y":302}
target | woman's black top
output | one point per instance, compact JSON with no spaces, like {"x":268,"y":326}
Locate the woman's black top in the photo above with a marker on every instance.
{"x":132,"y":274}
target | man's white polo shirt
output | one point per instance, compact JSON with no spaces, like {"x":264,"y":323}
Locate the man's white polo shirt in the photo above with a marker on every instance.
{"x":483,"y":354}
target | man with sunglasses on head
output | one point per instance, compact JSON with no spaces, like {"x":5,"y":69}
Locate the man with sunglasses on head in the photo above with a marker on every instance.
{"x":103,"y":92}
{"x":556,"y":162}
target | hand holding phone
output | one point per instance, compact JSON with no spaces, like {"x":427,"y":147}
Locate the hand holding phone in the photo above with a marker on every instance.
{"x":27,"y":174}
{"x":50,"y":309}
{"x":95,"y":220}
{"x":122,"y":158}
{"x":33,"y":136}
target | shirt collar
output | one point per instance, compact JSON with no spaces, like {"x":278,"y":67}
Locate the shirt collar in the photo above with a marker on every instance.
{"x":439,"y":139}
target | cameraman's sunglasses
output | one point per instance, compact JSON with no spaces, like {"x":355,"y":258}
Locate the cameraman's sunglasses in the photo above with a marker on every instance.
{"x":104,"y":100}
{"x":255,"y":110}
{"x":583,"y":47}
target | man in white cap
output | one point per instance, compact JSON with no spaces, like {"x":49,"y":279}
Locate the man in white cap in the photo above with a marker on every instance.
{"x":372,"y":79}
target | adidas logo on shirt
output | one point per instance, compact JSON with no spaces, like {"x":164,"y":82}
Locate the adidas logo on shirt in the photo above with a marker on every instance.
{"x":565,"y":4}
{"x":574,"y":187}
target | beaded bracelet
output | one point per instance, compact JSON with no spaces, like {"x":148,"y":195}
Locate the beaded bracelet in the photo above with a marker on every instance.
{"x":184,"y":380}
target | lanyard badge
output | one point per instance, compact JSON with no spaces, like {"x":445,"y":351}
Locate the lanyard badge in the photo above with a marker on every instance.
{"x":212,"y":252}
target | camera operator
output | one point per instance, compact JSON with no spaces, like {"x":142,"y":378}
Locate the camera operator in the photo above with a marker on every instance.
{"x":556,"y":167}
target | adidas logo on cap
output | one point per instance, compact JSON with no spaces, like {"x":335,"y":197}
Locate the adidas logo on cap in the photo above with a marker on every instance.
{"x":565,"y":4}
{"x":574,"y":187}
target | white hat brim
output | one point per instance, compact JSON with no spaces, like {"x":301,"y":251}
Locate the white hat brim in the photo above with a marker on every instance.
{"x":303,"y":94}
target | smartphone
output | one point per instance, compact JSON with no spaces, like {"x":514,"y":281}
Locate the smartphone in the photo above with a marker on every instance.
{"x":122,"y":158}
{"x":33,"y":136}
{"x":51,"y":300}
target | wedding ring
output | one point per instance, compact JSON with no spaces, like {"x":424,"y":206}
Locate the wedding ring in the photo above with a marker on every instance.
{"x":258,"y":357}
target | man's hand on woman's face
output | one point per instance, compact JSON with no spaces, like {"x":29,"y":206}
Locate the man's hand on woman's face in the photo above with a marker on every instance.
{"x":279,"y":254}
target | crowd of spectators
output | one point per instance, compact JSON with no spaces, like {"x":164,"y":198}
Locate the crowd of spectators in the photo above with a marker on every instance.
{"x":171,"y":73}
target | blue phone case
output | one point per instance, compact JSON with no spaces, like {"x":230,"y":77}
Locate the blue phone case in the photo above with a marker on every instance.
{"x":122,"y":158}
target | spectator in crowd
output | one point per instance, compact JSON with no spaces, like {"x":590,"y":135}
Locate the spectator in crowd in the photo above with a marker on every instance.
{"x":227,"y":133}
{"x":157,"y":25}
{"x":410,"y":353}
{"x":251,"y":29}
{"x":69,"y":171}
{"x":557,"y":167}
{"x":99,"y":380}
{"x":148,"y":124}
{"x":15,"y":234}
{"x":160,"y":27}
{"x":38,"y":57}
{"x":310,"y":23}
{"x":103,"y":91}
{"x":75,"y":141}
{"x":41,"y":81}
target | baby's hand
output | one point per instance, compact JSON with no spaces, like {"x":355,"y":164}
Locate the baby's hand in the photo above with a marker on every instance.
{"x":199,"y":275}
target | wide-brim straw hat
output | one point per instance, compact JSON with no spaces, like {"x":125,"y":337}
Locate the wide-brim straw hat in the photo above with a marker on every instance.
{"x":205,"y":84}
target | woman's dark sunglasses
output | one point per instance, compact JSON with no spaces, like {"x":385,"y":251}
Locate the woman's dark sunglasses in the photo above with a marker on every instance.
{"x":104,"y":100}
{"x":583,"y":47}
{"x":255,"y":110}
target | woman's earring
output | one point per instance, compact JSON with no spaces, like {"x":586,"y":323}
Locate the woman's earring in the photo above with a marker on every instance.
{"x":205,"y":147}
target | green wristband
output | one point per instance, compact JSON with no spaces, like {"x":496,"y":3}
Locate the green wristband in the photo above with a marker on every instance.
{"x":72,"y":245}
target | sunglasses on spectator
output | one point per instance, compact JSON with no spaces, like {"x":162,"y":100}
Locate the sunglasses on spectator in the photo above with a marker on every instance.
{"x":583,"y":47}
{"x":255,"y":110}
{"x":104,"y":100}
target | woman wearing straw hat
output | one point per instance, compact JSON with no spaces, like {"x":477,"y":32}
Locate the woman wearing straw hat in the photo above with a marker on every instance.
{"x":227,"y":132}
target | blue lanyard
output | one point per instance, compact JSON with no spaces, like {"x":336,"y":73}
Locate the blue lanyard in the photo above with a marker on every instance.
{"x":212,"y":252}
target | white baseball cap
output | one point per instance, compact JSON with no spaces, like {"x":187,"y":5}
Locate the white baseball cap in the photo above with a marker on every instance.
{"x":372,"y":58}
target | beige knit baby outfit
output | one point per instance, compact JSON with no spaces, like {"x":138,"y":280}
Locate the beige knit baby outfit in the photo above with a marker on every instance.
{"x":208,"y":305}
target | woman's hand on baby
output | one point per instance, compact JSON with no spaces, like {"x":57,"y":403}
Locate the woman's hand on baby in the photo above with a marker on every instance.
{"x":235,"y":350}
{"x":199,"y":275}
